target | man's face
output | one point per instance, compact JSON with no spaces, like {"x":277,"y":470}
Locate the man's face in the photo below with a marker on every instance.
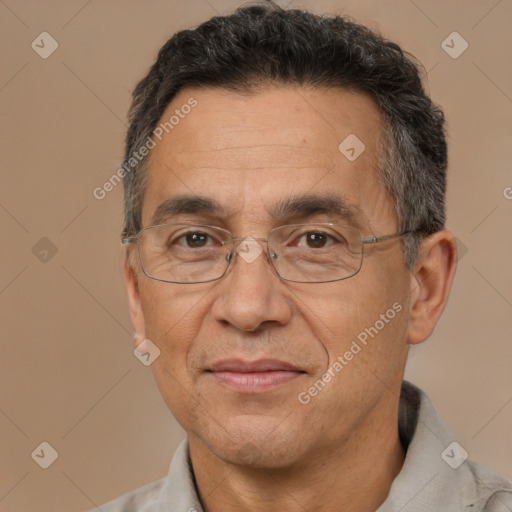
{"x":250,"y":153}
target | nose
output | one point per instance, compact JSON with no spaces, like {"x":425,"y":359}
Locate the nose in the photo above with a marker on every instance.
{"x":251,"y":294}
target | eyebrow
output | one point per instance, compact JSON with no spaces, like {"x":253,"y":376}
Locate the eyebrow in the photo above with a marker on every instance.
{"x":293,"y":207}
{"x":311,"y":204}
{"x":187,"y":204}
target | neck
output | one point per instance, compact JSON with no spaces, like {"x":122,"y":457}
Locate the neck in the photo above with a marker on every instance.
{"x":354,"y":476}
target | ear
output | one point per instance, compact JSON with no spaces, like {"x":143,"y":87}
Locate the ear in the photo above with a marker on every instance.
{"x":132,"y":288}
{"x":431,"y":282}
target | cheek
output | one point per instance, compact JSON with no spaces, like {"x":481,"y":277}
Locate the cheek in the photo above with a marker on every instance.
{"x":362,"y":318}
{"x":172,"y":318}
{"x":340,"y":310}
{"x":362,"y":327}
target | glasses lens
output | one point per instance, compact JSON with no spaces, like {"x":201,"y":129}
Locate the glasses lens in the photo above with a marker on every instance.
{"x":184,"y":253}
{"x":310,"y":253}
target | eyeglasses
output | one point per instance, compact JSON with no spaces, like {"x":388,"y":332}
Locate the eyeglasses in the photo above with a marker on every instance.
{"x":302,"y":253}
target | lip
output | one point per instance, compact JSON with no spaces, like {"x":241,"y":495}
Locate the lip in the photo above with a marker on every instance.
{"x":260,"y":365}
{"x":254,"y":376}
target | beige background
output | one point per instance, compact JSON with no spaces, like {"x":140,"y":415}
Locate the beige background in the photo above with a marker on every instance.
{"x":68,"y":375}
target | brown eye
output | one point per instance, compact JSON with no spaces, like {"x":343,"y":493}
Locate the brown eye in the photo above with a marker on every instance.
{"x":316,"y":240}
{"x":196,"y":239}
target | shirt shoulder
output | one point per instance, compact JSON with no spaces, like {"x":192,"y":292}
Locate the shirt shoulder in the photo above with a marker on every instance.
{"x":436,"y":474}
{"x":176,"y":491}
{"x":142,"y":499}
{"x":493,"y":493}
{"x":500,"y":501}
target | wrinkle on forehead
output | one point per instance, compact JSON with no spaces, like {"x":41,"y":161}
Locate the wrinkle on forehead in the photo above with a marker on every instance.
{"x":249,"y":150}
{"x":254,"y":158}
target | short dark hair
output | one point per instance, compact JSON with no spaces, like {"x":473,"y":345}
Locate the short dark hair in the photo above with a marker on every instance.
{"x":264,"y":45}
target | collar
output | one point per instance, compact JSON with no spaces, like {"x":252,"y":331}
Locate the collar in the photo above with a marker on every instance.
{"x":427,"y":481}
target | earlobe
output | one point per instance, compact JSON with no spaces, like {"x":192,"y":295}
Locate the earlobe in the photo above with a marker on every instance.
{"x":431,"y":282}
{"x":134,"y":302}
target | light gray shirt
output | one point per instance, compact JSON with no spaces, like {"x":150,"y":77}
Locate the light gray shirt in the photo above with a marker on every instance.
{"x":436,"y":475}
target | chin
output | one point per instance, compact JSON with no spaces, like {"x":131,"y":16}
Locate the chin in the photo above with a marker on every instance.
{"x":255,"y":444}
{"x":258,"y":456}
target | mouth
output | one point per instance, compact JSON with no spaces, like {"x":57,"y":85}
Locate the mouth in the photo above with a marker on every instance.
{"x":254,"y":376}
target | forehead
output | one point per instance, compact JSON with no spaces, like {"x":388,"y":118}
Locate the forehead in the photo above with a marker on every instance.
{"x":249,"y":150}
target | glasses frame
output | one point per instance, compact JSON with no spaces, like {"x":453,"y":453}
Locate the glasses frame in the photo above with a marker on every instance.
{"x":134,"y":240}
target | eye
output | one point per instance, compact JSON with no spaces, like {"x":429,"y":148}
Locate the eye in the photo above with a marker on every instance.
{"x":315,"y":240}
{"x":192,"y":240}
{"x":195,"y":239}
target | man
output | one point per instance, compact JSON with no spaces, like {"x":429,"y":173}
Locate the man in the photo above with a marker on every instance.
{"x":284,"y":196}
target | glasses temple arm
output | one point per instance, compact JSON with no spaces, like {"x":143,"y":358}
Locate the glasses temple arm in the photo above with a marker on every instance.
{"x":377,"y":239}
{"x":128,"y":240}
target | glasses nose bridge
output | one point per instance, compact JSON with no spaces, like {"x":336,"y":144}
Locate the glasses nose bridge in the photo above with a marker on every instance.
{"x":242,"y":239}
{"x":237,"y":241}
